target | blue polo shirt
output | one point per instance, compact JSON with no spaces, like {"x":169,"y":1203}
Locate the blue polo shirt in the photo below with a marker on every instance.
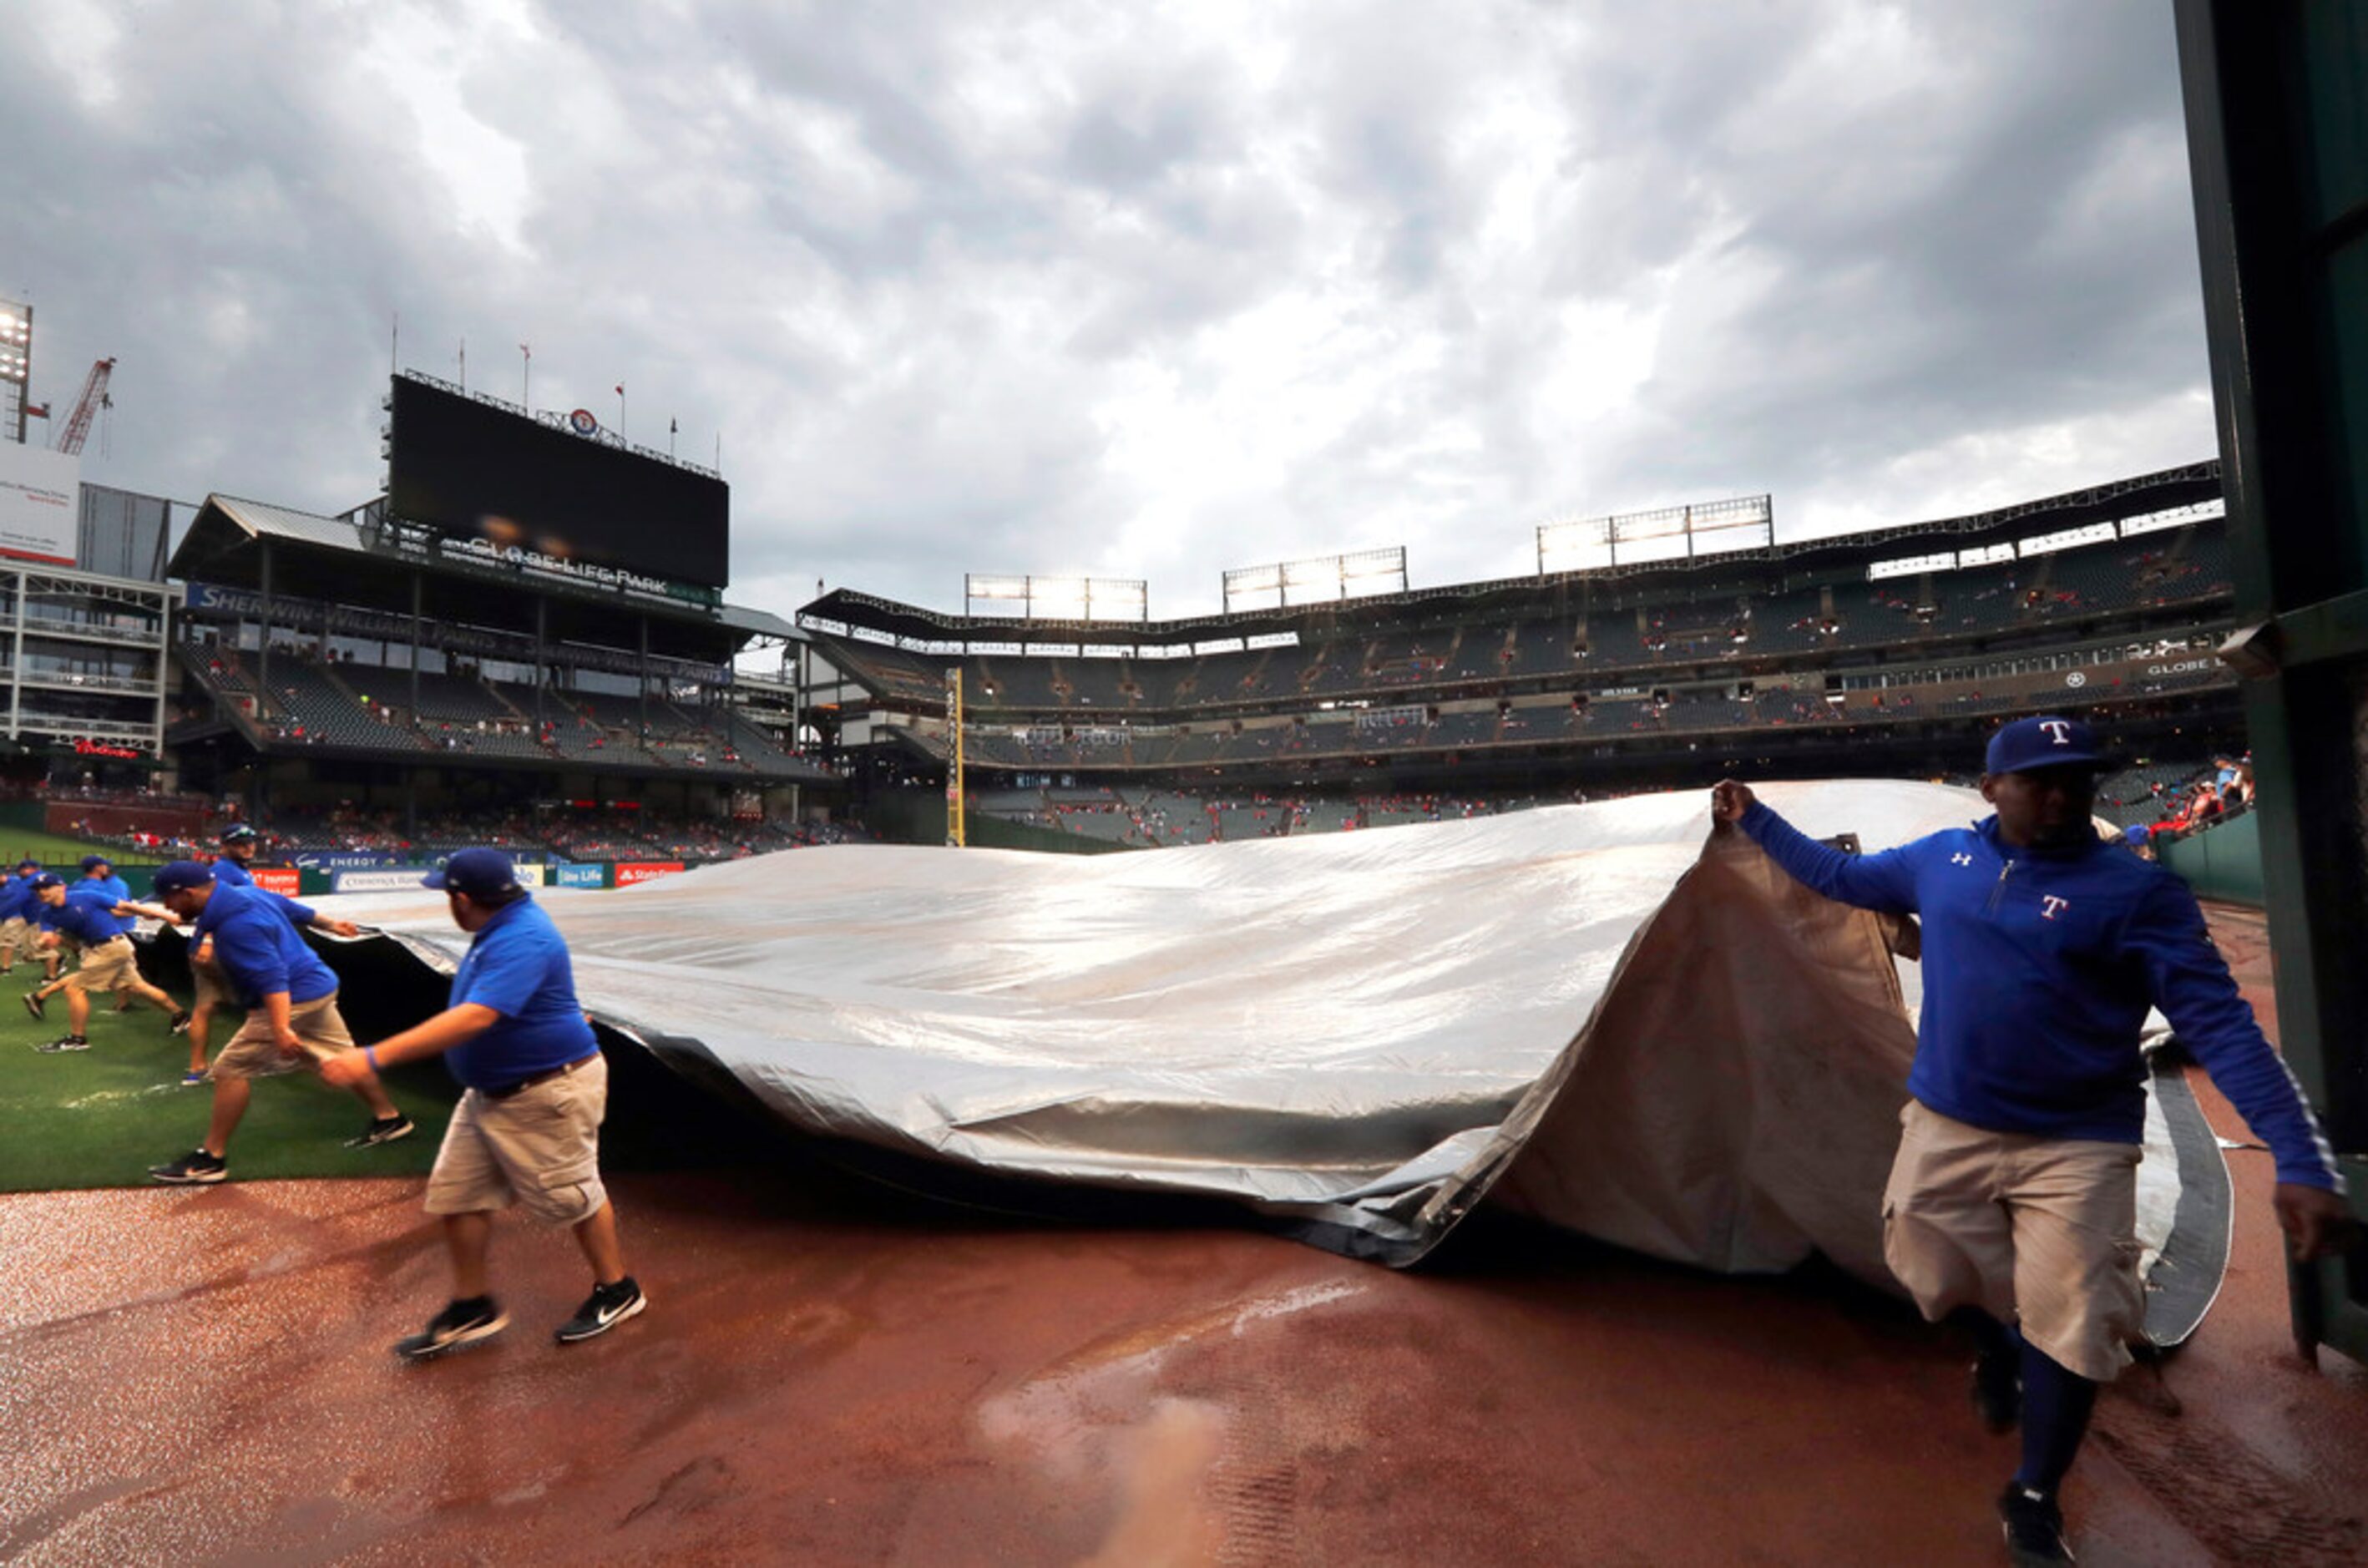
{"x":88,"y":916}
{"x":518,"y":966}
{"x":257,"y":945}
{"x":17,"y":899}
{"x":230,"y":873}
{"x":117,"y":889}
{"x":2039,"y":966}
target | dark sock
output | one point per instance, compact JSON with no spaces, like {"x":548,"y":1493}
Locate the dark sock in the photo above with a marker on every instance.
{"x":2055,"y":1407}
{"x":1992,"y":1339}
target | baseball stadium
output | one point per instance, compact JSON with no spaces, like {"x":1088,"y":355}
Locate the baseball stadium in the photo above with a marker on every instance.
{"x":1382,"y":1071}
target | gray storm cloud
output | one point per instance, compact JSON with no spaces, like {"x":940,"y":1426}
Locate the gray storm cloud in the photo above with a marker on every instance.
{"x":1151,"y":294}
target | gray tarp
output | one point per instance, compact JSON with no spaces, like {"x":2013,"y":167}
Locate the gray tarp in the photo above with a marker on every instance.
{"x":1624,"y":1025}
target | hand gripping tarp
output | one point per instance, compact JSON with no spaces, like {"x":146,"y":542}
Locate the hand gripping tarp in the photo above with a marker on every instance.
{"x":1604,"y":1016}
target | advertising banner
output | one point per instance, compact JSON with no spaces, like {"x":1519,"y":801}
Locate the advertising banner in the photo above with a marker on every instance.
{"x":358,"y":860}
{"x":380,"y":881}
{"x":39,"y":505}
{"x":581,"y":876}
{"x":631,"y":871}
{"x":528,"y":876}
{"x":285,"y":881}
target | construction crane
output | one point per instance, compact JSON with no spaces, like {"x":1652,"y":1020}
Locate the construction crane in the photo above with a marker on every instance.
{"x":93,"y":398}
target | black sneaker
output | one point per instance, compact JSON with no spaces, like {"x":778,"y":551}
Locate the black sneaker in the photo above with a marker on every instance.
{"x":180,"y":1022}
{"x":382,"y":1130}
{"x":1997,"y":1390}
{"x":63,"y":1042}
{"x":2035,"y":1526}
{"x":603,"y":1309}
{"x":34,"y":1005}
{"x":460,"y":1323}
{"x":194,"y":1167}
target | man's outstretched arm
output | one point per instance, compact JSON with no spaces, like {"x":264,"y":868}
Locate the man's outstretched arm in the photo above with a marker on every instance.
{"x":1886,"y":882}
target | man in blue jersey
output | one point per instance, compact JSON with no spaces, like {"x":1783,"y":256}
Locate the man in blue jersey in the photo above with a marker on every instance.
{"x":528,"y":1128}
{"x":20,"y":930}
{"x":99,"y":871}
{"x":91,"y":919}
{"x":291,"y":1001}
{"x":2012,"y":1206}
{"x":239,"y":842}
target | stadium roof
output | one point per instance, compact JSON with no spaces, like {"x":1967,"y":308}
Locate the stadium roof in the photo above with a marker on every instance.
{"x":343,"y":561}
{"x":1791,"y":563}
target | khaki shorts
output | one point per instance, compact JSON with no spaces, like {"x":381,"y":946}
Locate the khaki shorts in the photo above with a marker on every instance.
{"x":2042,"y":1230}
{"x":209,"y":986}
{"x":109,"y":966}
{"x":254,"y":1051}
{"x":18,"y":935}
{"x":540,"y":1148}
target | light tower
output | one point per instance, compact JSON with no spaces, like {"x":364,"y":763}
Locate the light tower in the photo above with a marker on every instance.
{"x":15,"y":368}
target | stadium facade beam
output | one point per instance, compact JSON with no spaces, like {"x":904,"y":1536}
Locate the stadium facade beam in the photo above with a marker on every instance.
{"x":2274,"y":98}
{"x":418,"y":591}
{"x":263,"y":652}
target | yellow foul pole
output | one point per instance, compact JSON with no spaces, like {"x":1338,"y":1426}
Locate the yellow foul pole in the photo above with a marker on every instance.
{"x":955,"y":833}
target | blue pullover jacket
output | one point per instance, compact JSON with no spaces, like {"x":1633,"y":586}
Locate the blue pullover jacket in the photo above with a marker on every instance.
{"x":2039,"y":967}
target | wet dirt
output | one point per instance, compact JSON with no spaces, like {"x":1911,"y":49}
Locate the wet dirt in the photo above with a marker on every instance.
{"x":828,"y":1374}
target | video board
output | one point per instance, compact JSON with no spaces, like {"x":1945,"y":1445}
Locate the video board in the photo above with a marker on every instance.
{"x":476,"y":470}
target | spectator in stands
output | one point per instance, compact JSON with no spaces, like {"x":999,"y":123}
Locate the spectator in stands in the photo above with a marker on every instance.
{"x":93,"y":920}
{"x":527,"y":1126}
{"x":291,"y":1002}
{"x":2012,"y":1204}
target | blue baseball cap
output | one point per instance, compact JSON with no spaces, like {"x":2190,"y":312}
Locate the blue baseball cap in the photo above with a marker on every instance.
{"x":93,"y":862}
{"x":48,"y":879}
{"x":237,"y":832}
{"x":2048,"y":741}
{"x":480,"y":873}
{"x":28,"y":864}
{"x":181,"y":876}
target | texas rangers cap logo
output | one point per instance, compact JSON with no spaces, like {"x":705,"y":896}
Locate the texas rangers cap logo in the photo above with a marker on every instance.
{"x":2058,"y":730}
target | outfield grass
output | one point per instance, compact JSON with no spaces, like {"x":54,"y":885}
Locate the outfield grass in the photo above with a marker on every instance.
{"x":101,"y":1116}
{"x":61,"y":855}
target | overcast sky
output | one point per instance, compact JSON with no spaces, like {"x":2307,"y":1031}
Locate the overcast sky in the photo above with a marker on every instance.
{"x":1146,"y":292}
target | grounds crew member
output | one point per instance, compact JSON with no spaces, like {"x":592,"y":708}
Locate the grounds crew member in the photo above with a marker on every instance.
{"x":20,"y":932}
{"x":2014,"y":1197}
{"x":291,"y":1002}
{"x":212,"y":987}
{"x":528,"y":1128}
{"x":239,"y":842}
{"x":100,"y":871}
{"x":88,"y":916}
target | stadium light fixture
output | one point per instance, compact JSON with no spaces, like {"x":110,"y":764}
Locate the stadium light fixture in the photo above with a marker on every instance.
{"x":1103,"y":599}
{"x":1321,"y":579}
{"x":1666,"y":533}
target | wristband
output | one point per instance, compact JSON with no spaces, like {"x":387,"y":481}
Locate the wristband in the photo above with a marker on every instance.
{"x":369,"y":1054}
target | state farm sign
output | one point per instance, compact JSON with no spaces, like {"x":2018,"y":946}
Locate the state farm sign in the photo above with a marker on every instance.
{"x":631,"y":871}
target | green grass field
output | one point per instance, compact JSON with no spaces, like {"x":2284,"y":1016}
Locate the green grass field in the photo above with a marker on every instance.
{"x":62,"y":856}
{"x":101,"y":1116}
